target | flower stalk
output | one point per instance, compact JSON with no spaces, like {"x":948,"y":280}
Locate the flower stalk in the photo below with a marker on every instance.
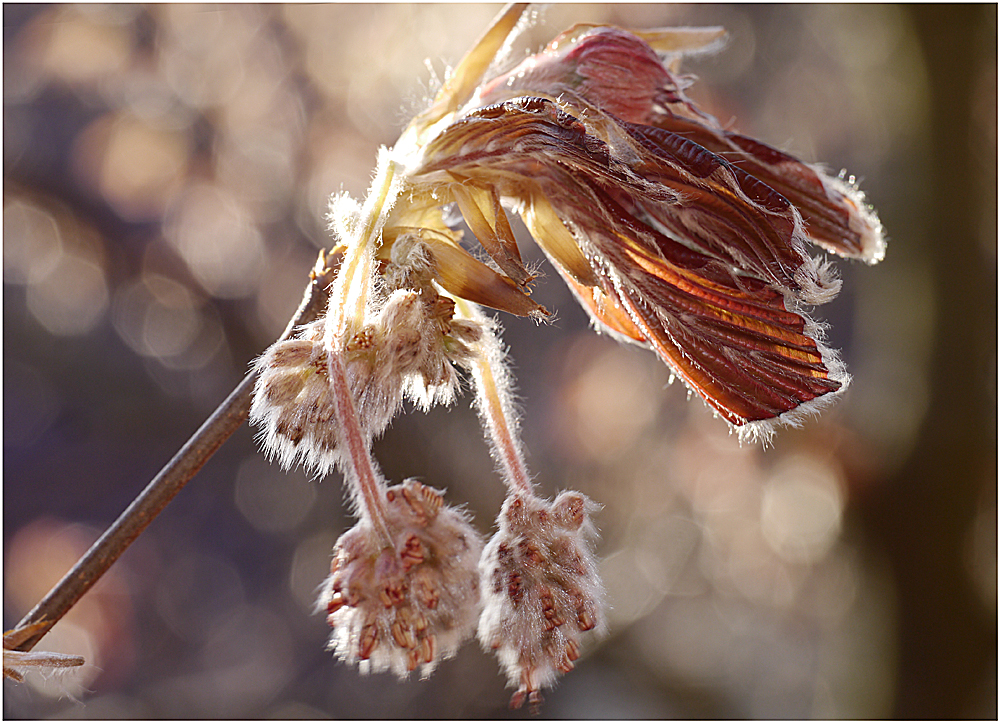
{"x":364,"y":479}
{"x":495,"y":403}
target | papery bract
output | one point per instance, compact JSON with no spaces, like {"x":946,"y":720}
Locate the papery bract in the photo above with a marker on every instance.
{"x":666,"y":242}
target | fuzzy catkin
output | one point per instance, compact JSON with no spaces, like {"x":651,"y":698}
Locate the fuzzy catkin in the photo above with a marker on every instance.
{"x":541,"y":591}
{"x":406,"y":351}
{"x":411,"y":603}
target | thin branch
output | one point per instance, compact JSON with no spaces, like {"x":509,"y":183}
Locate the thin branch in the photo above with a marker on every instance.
{"x":171,"y":479}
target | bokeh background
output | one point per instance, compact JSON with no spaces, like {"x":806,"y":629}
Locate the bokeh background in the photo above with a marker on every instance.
{"x":166,"y":173}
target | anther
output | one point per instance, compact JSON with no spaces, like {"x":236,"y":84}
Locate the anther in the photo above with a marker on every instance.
{"x":529,"y":550}
{"x":337,"y":601}
{"x":412,"y":553}
{"x":426,"y":590}
{"x":412,"y":658}
{"x":403,"y":635}
{"x":361,"y":341}
{"x":394,"y":591}
{"x":514,"y":589}
{"x":428,"y":646}
{"x":368,"y":641}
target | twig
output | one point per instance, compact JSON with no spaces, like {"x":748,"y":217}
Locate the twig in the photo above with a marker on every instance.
{"x":171,"y":479}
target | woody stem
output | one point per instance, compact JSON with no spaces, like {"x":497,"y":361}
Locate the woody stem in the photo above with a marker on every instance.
{"x":170,"y":480}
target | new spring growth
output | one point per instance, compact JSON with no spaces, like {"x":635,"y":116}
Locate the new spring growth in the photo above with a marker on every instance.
{"x":541,"y":591}
{"x":411,"y":603}
{"x":673,"y":232}
{"x":16,"y":662}
{"x":540,"y":588}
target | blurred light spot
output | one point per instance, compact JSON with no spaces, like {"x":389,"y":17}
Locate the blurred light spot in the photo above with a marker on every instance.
{"x":171,"y":324}
{"x":162,"y":319}
{"x":630,"y":594}
{"x":137,"y":166}
{"x":259,"y":134}
{"x":122,"y":14}
{"x":209,"y":341}
{"x":23,"y":80}
{"x":364,"y":76}
{"x":865,"y":633}
{"x":81,"y":49}
{"x":204,"y":27}
{"x":71,"y":298}
{"x":722,"y":477}
{"x":247,"y":634}
{"x":664,"y":548}
{"x":268,"y":499}
{"x":196,"y":593}
{"x":801,"y":510}
{"x":834,"y":588}
{"x":648,"y":568}
{"x":891,"y":394}
{"x":260,"y":171}
{"x":750,"y":569}
{"x":247,"y":658}
{"x":981,"y":547}
{"x":255,"y":103}
{"x":331,"y":65}
{"x":873,"y":67}
{"x":737,"y":58}
{"x":278,"y":299}
{"x":607,"y":404}
{"x":31,"y":404}
{"x":310,"y":567}
{"x":147,"y":97}
{"x":340,"y":160}
{"x":203,"y":50}
{"x":156,"y":317}
{"x":685,"y":638}
{"x":32,"y":243}
{"x":96,"y":627}
{"x":36,"y":557}
{"x":860,"y":37}
{"x":217,"y":239}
